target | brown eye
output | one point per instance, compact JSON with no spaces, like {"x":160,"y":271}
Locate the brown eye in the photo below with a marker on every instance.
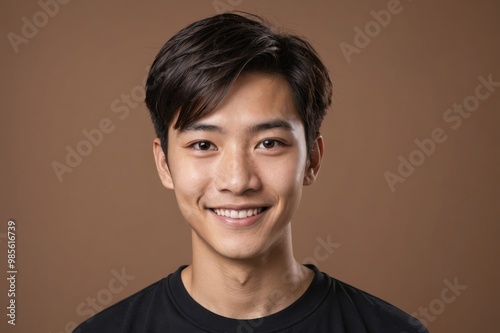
{"x":203,"y":145}
{"x":269,"y":144}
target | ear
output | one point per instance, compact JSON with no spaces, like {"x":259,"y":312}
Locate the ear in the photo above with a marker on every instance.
{"x":314,"y":162}
{"x":162,"y":165}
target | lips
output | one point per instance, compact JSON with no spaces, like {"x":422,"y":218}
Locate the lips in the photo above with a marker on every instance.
{"x":238,"y":213}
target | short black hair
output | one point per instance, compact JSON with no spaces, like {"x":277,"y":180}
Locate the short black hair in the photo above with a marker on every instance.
{"x":195,"y":69}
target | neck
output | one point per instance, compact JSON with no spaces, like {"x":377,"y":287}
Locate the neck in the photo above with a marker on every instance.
{"x":246,"y":288}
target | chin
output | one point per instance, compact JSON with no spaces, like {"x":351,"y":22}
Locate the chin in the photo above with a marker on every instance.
{"x":239,"y":251}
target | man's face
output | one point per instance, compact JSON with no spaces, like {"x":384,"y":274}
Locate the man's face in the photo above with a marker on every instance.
{"x":238,"y":173}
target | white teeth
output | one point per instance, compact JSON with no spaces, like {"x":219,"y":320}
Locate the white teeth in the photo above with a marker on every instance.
{"x":237,"y":214}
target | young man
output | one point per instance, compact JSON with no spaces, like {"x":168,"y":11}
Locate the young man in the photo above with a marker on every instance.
{"x":237,"y":108}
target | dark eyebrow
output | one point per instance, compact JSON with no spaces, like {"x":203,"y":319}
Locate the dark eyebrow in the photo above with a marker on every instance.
{"x":275,"y":123}
{"x":202,"y":127}
{"x":260,"y":127}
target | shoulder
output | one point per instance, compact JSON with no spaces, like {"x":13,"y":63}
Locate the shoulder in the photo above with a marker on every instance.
{"x":121,"y":316}
{"x":376,"y":314}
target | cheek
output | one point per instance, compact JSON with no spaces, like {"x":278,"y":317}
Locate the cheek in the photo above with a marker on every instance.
{"x":286,"y":176}
{"x":189,"y":178}
{"x":190,"y":185}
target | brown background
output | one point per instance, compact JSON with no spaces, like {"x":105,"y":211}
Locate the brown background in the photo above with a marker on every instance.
{"x":111,"y":212}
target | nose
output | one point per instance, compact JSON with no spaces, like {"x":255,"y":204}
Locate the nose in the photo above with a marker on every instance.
{"x":237,"y":173}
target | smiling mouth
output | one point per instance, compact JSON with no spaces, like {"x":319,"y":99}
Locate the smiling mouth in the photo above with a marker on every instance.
{"x":238,"y":214}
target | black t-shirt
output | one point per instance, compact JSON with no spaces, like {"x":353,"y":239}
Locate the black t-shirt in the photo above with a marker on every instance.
{"x":328,"y":305}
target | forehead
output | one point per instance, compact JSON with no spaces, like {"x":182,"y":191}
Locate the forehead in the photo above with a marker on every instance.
{"x":254,"y":97}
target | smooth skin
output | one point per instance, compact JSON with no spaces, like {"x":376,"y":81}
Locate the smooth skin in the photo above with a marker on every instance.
{"x":248,"y":156}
